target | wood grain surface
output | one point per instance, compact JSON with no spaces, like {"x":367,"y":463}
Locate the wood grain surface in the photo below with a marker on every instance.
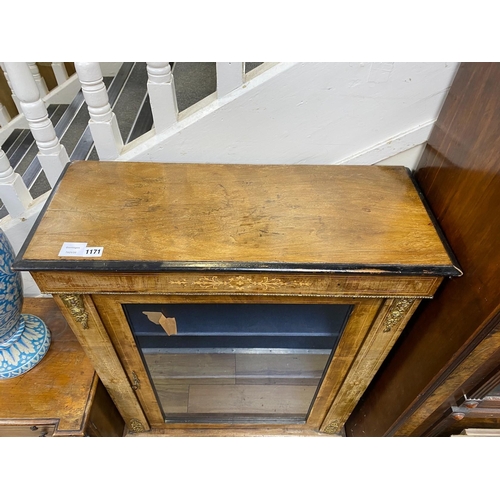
{"x":59,"y":387}
{"x":159,"y":217}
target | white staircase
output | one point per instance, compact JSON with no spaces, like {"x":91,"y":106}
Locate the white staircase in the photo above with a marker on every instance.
{"x":276,"y":113}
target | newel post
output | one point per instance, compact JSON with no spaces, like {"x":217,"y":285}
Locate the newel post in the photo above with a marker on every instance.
{"x":13,"y":191}
{"x":52,"y":155}
{"x":161,"y":90}
{"x":103,"y":125}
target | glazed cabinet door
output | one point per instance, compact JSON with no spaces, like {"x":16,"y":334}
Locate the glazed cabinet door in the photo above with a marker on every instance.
{"x":211,"y":361}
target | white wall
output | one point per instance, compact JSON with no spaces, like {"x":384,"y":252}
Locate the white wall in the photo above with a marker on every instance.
{"x":323,"y":113}
{"x":408,"y":158}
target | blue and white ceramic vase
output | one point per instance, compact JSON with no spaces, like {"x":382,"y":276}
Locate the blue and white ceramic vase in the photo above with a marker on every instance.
{"x":24,"y":338}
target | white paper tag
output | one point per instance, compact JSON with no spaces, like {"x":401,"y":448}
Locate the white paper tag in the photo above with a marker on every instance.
{"x":70,"y":249}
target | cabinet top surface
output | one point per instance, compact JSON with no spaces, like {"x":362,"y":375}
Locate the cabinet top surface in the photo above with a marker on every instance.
{"x":161,"y":217}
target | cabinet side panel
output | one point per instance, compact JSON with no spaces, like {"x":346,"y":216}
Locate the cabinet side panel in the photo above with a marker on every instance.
{"x":88,"y":328}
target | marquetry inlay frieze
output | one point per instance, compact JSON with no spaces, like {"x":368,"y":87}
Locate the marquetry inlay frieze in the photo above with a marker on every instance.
{"x":241,"y":283}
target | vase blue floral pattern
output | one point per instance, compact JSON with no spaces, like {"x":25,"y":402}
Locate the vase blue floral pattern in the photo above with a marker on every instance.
{"x":24,"y":338}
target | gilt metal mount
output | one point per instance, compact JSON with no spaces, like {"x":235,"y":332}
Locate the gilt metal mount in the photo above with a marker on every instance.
{"x":135,"y":425}
{"x":396,"y":313}
{"x":76,"y":308}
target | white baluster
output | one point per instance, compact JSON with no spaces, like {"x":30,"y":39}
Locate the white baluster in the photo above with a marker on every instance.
{"x":39,"y":80}
{"x":59,"y":72}
{"x":230,"y":76}
{"x":14,"y":96}
{"x":4,"y":115}
{"x":52,"y":154}
{"x":103,"y":125}
{"x":13,"y":191}
{"x":162,"y":96}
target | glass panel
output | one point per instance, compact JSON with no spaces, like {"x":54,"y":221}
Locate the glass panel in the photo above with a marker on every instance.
{"x":236,"y":362}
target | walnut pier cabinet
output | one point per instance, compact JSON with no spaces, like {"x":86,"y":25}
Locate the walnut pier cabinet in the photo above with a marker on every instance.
{"x":236,"y":299}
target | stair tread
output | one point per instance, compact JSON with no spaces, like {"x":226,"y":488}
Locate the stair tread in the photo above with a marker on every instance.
{"x":75,"y":131}
{"x":11,"y":140}
{"x":40,"y":186}
{"x":129,"y":102}
{"x":193,"y":82}
{"x":19,"y":147}
{"x":143,"y":122}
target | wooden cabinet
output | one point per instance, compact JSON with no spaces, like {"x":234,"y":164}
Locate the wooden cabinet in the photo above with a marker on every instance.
{"x":62,"y":395}
{"x":476,"y":404}
{"x":236,"y":299}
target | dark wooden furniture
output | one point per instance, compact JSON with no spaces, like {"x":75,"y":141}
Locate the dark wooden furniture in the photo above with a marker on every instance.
{"x":478,"y":408}
{"x":62,"y":395}
{"x":207,"y":238}
{"x":439,"y":377}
